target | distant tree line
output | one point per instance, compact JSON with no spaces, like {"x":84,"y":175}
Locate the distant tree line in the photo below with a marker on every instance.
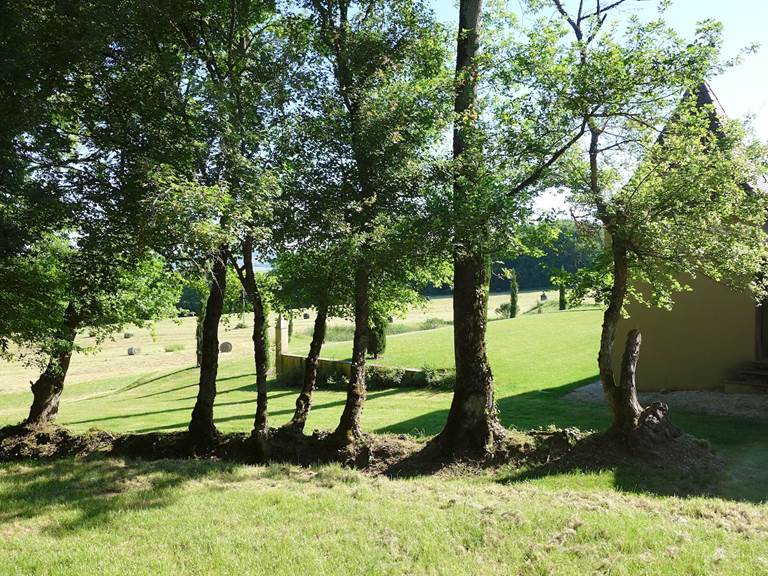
{"x":569,"y":252}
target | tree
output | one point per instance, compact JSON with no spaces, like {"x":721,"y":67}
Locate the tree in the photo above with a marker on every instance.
{"x":78,"y":159}
{"x":503,"y":150}
{"x":311,"y":278}
{"x":668,"y":180}
{"x":235,"y":83}
{"x":50,"y":295}
{"x":378,"y":88}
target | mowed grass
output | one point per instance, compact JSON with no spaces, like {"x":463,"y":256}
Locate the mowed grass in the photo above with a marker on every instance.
{"x":111,"y":516}
{"x":524,"y":353}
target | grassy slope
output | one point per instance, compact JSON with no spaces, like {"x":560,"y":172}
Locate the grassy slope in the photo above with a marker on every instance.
{"x":535,"y":359}
{"x":197,"y":517}
{"x":112,"y":359}
{"x":554,"y":348}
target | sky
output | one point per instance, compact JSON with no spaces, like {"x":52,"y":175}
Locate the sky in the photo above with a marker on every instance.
{"x":743,"y":90}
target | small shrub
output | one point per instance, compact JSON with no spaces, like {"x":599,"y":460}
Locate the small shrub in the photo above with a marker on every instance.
{"x":504,"y":311}
{"x":128,"y":335}
{"x":174,"y":347}
{"x":439,"y":378}
{"x":240,"y":326}
{"x":377,"y":335}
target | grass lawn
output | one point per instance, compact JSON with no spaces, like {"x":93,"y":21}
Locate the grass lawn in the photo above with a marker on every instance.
{"x":166,"y":518}
{"x":110,"y":516}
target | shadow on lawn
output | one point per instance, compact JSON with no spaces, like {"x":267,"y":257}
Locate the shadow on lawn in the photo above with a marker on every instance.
{"x":250,"y":415}
{"x":525,"y":411}
{"x":186,"y":408}
{"x":97,"y":488}
{"x":741,"y":446}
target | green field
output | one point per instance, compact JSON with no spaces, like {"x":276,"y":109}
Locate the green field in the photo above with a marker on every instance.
{"x":118,"y":517}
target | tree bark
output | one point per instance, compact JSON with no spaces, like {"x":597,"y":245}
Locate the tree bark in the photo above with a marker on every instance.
{"x":201,"y":427}
{"x":261,"y":361}
{"x":611,"y":318}
{"x":472,"y":426}
{"x":349,"y":425}
{"x":628,"y":408}
{"x":260,"y":338}
{"x":47,"y":389}
{"x":304,"y":401}
{"x":199,"y":335}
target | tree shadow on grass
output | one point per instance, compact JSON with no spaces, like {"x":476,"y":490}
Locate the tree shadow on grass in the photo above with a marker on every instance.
{"x":525,"y":411}
{"x":681,"y":467}
{"x":96,"y":488}
{"x":185,"y":408}
{"x":249,"y":415}
{"x":143,"y":381}
{"x":740,"y":446}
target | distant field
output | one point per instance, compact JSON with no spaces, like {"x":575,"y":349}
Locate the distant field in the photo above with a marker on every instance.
{"x":113,"y":360}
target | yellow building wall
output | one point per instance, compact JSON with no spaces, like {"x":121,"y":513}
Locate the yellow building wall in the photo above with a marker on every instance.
{"x":696,"y":345}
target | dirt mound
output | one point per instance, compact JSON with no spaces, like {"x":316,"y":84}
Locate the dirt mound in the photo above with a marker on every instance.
{"x":681,"y":457}
{"x":540,"y":452}
{"x":51,"y":441}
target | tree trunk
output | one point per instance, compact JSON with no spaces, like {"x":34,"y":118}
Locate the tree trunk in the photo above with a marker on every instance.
{"x":349,"y":425}
{"x":260,"y":338}
{"x":472,"y":426}
{"x":199,"y":335}
{"x":201,"y":427}
{"x":304,"y":401}
{"x":640,"y":428}
{"x":624,"y":413}
{"x":261,"y":360}
{"x":47,"y":390}
{"x":627,"y":409}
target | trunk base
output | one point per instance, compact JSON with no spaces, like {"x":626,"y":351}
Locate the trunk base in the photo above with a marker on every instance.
{"x":261,"y":444}
{"x":486,"y":439}
{"x":652,"y":430}
{"x":203,"y":436}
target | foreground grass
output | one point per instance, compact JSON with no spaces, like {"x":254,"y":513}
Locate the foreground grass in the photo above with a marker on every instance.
{"x":117,"y":517}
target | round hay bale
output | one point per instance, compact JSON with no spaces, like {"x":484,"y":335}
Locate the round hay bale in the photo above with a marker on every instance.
{"x":134,"y":351}
{"x":225,"y":347}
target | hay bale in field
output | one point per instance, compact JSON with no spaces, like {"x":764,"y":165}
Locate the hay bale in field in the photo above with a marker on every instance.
{"x":225,"y":347}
